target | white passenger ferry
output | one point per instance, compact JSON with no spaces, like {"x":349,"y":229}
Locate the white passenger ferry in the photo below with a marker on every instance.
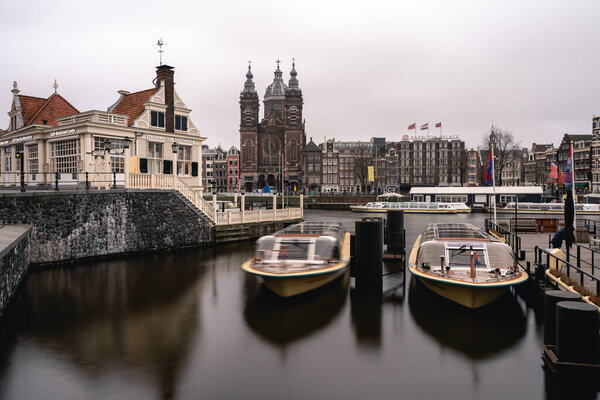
{"x":413,"y":207}
{"x":548,"y":208}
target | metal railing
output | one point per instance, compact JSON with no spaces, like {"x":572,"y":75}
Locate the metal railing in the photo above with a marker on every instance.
{"x":29,"y":181}
{"x":544,"y":259}
{"x":592,"y":226}
{"x":510,"y":238}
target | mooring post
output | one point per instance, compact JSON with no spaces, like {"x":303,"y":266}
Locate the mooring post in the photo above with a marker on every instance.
{"x":576,"y":331}
{"x":369,"y":252}
{"x":395,"y":231}
{"x":551,"y":299}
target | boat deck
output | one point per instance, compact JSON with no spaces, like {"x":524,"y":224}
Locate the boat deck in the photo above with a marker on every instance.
{"x":463,"y":275}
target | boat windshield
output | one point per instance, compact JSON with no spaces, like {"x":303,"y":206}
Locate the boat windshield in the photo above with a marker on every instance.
{"x":292,"y":250}
{"x":461,"y":257}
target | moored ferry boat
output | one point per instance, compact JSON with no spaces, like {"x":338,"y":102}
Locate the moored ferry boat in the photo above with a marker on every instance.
{"x":301,"y":257}
{"x":548,"y":208}
{"x":464,"y":264}
{"x":412,"y":207}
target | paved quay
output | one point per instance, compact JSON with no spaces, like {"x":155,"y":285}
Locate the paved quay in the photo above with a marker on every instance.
{"x":9,"y":234}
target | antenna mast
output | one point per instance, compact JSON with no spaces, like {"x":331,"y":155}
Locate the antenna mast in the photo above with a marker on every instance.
{"x":160,"y":45}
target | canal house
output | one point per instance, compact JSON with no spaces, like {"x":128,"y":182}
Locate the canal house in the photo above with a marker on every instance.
{"x":146,"y":132}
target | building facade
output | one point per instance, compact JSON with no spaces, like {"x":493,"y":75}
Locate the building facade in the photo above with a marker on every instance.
{"x":148,"y":131}
{"x":233,"y":171}
{"x":311,"y":168}
{"x":270,"y":148}
{"x":581,"y":161}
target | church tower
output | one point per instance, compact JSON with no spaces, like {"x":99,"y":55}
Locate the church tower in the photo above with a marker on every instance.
{"x":249,"y":108}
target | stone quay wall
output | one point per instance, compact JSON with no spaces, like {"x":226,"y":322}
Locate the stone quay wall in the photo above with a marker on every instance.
{"x":14,"y":264}
{"x":73,"y":225}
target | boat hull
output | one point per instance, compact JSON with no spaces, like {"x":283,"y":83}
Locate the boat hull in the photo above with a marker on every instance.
{"x":542,"y":212}
{"x":288,"y":287}
{"x":471,"y":297}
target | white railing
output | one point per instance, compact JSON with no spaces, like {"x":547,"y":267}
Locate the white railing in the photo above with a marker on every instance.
{"x":172,"y":182}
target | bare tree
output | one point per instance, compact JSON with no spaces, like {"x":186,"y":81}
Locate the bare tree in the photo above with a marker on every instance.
{"x":363,"y":157}
{"x":505,"y":149}
{"x":462,"y":165}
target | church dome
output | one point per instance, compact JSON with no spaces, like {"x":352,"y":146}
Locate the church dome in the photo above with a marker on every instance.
{"x":276,"y":90}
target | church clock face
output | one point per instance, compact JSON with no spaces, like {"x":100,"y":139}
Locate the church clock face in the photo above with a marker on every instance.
{"x":271,"y":150}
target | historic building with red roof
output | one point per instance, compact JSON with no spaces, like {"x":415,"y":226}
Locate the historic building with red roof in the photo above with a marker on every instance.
{"x":148,"y":131}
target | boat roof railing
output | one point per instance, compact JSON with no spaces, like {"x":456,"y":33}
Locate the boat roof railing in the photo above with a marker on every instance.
{"x":327,"y":228}
{"x":454,"y":231}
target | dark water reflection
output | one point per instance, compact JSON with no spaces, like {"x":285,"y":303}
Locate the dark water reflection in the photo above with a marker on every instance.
{"x":191,"y":325}
{"x":479,"y":334}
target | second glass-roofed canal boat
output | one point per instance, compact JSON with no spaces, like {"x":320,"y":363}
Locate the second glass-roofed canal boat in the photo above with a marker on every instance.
{"x":464,"y":264}
{"x":301,"y":257}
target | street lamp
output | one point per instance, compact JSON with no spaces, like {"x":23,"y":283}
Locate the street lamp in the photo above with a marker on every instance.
{"x":175,"y":147}
{"x":126,"y":143}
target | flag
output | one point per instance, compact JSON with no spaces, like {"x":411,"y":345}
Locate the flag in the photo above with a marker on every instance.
{"x":425,"y":126}
{"x":371,"y":173}
{"x":566,"y":177}
{"x":553,"y":171}
{"x":412,"y":126}
{"x":489,"y":170}
{"x":438,"y":125}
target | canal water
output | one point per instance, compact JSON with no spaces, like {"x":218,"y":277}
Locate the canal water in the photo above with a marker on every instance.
{"x":190,"y":324}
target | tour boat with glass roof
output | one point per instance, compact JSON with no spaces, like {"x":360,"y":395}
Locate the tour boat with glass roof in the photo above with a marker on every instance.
{"x":412,"y":207}
{"x":301,"y":257}
{"x":464,"y":264}
{"x":548,"y":208}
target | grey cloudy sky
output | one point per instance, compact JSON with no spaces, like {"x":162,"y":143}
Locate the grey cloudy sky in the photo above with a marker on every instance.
{"x":366,"y":68}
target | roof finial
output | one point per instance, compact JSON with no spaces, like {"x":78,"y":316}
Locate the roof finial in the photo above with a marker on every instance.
{"x":55,"y":86}
{"x":160,"y":45}
{"x":15,"y":89}
{"x":278,"y":63}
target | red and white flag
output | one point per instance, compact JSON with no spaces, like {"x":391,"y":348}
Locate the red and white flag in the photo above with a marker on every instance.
{"x":412,"y":126}
{"x":553,"y":171}
{"x":425,"y":126}
{"x":438,"y":125}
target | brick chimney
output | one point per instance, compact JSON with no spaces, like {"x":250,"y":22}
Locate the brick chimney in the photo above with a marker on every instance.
{"x":165,"y":73}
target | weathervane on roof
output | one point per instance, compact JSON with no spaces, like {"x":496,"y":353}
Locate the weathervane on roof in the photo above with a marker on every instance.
{"x":160,"y":45}
{"x":55,"y":86}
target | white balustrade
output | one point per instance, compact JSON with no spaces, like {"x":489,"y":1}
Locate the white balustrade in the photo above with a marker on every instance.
{"x":172,"y":182}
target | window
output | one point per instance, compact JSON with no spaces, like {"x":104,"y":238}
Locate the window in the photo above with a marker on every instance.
{"x":293,"y":115}
{"x":184,"y":160}
{"x":155,"y":155}
{"x":8,"y":159}
{"x":157,"y":119}
{"x":180,"y":123}
{"x":117,"y":161}
{"x":248,"y":116}
{"x":32,"y":159}
{"x":64,"y":156}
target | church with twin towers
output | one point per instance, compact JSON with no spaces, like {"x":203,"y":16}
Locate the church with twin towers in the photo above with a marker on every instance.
{"x":270,"y":148}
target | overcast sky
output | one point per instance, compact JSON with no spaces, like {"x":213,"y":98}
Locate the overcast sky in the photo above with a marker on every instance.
{"x":366,"y":68}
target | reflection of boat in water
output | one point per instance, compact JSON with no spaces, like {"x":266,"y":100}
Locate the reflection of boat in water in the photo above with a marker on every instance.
{"x":301,"y":257}
{"x":413,"y":207}
{"x":464,"y":264}
{"x":282,"y":321}
{"x":479,"y":334}
{"x":547,"y":208}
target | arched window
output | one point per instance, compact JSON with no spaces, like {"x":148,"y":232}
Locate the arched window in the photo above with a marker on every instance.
{"x":293,"y":115}
{"x":293,"y":151}
{"x":247,"y":151}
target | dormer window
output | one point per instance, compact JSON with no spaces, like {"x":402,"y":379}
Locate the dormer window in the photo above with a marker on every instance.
{"x":180,"y":123}
{"x":157,"y":119}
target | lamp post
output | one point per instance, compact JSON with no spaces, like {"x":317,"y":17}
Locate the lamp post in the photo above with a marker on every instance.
{"x":175,"y":149}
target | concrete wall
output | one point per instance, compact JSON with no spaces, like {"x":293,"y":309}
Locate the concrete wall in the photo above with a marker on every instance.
{"x":70,"y":225}
{"x":14,"y":263}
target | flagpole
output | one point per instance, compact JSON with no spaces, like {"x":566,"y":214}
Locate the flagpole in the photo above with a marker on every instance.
{"x":494,"y":180}
{"x":573,"y":184}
